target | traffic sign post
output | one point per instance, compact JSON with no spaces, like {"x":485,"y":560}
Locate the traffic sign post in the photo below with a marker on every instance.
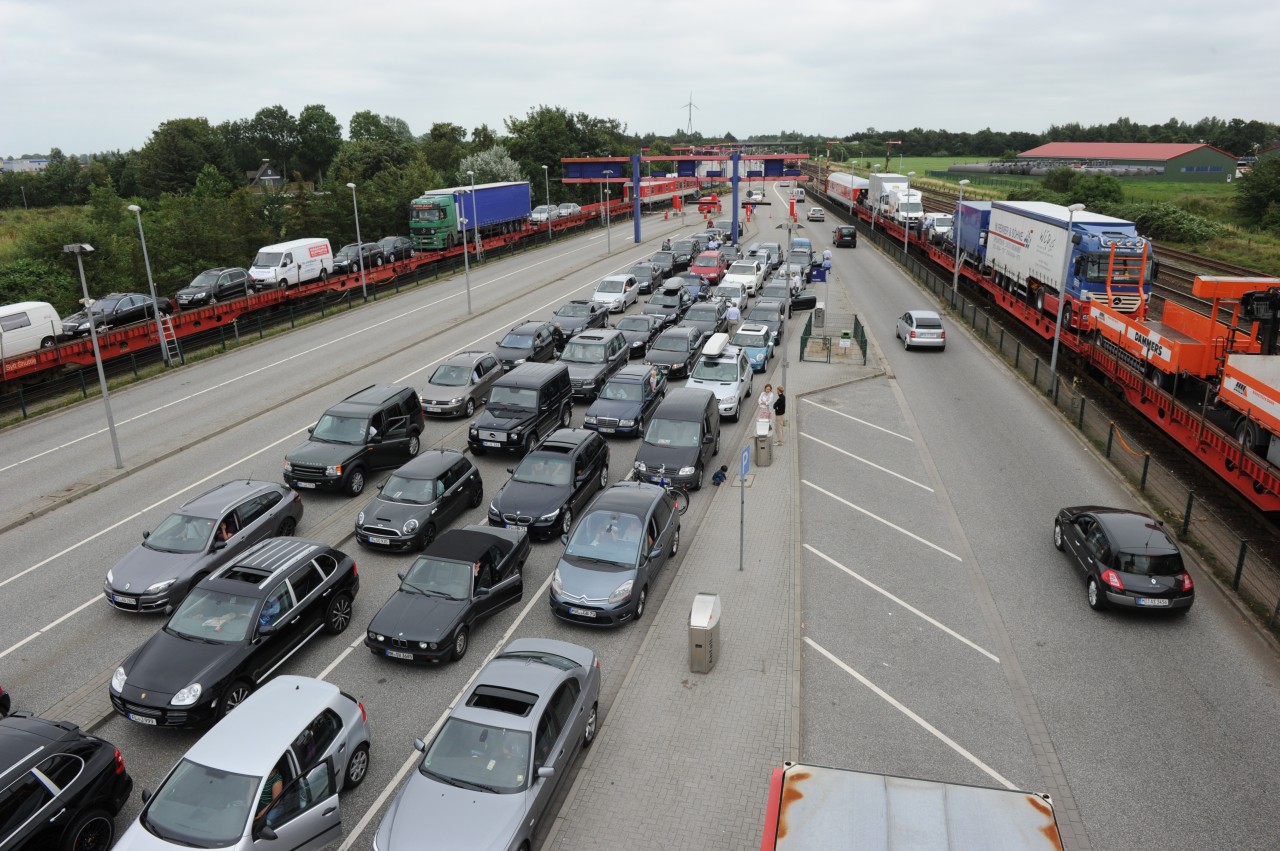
{"x":744,"y":467}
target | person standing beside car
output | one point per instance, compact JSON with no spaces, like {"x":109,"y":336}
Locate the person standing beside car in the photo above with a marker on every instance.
{"x":780,"y":415}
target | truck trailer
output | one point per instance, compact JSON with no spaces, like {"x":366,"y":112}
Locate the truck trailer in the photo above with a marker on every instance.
{"x":973,"y":219}
{"x":880,"y":186}
{"x":435,"y":219}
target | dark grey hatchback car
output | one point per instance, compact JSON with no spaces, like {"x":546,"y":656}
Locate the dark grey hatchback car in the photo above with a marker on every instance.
{"x":418,"y":500}
{"x":1126,"y":558}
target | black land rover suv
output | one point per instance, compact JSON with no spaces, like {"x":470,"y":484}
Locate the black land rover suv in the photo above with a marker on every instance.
{"x":377,"y":428}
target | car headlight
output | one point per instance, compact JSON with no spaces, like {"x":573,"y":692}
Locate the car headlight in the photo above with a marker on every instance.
{"x":687,"y":471}
{"x":519,"y":361}
{"x":641,"y":468}
{"x":373,"y":636}
{"x":457,"y":401}
{"x":160,"y":586}
{"x":493,"y":509}
{"x":410,"y":526}
{"x":589,"y":419}
{"x":186,"y":696}
{"x":648,"y":362}
{"x":335,"y":470}
{"x":551,"y":516}
{"x":637,"y":344}
{"x":622,"y":592}
{"x":627,"y":423}
{"x":515,"y":432}
{"x":360,"y":519}
{"x":288,"y":467}
{"x":118,"y":678}
{"x":110,"y":578}
{"x":423,"y":645}
{"x":557,"y":587}
{"x":473,"y":430}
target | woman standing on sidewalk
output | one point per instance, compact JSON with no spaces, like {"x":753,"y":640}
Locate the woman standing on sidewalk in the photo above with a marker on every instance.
{"x":780,"y":415}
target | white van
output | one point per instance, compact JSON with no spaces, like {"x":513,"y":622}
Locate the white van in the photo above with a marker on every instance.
{"x":27,"y":326}
{"x":797,"y":195}
{"x":290,"y":263}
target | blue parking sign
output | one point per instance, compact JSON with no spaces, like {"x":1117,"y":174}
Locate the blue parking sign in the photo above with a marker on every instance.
{"x":745,"y":465}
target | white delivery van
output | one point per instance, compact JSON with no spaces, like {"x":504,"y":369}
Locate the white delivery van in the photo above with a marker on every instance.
{"x":291,"y":263}
{"x":797,"y":195}
{"x":27,"y":326}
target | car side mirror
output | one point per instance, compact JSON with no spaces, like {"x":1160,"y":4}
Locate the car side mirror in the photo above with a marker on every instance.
{"x":419,"y":745}
{"x":311,"y":429}
{"x":401,"y":575}
{"x":146,"y":795}
{"x":655,"y":553}
{"x":708,"y":438}
{"x":266,"y":833}
{"x":564,"y":539}
{"x":482,"y":591}
{"x":545,"y":772}
{"x":219,"y":545}
{"x":511,"y":471}
{"x":266,"y":630}
{"x":381,"y":486}
{"x":146,"y":535}
{"x":377,"y":438}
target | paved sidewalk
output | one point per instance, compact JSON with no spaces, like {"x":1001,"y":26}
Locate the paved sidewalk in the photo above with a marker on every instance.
{"x":683,"y":760}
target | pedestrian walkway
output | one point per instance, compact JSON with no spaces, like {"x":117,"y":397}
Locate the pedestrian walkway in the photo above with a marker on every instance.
{"x":683,"y":760}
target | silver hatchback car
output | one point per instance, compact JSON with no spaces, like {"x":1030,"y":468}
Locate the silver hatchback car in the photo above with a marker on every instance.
{"x":267,"y":776}
{"x":460,"y":384}
{"x":921,"y":329}
{"x":487,"y":778}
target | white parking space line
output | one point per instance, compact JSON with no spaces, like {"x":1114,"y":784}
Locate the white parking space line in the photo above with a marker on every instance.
{"x":885,"y":696}
{"x":860,"y":422}
{"x":910,"y":608}
{"x":868,"y":463}
{"x":539,"y":596}
{"x":880,"y":519}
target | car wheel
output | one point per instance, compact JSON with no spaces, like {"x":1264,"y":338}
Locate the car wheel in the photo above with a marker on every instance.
{"x":604,"y":477}
{"x":338,"y":617}
{"x":324,"y":275}
{"x":415,"y":444}
{"x":47,"y":343}
{"x":91,"y":830}
{"x":675,"y":543}
{"x":4,"y":705}
{"x":286,"y":528}
{"x":906,"y":347}
{"x":1097,"y":601}
{"x":1057,"y":535}
{"x":355,"y":482}
{"x":529,"y":442}
{"x":357,"y":767}
{"x":566,"y":520}
{"x":589,"y":732}
{"x":237,"y":693}
{"x":427,"y":537}
{"x":470,"y":408}
{"x":477,"y":496}
{"x":697,"y":483}
{"x":460,"y":644}
{"x":566,"y":415}
{"x":716,"y":451}
{"x":640,"y":601}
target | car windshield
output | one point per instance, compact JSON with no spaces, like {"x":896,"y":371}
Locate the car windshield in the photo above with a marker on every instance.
{"x":429,"y":213}
{"x":609,"y":285}
{"x":942,"y":221}
{"x":716,"y":370}
{"x":911,"y":207}
{"x":180,"y":533}
{"x":705,"y":263}
{"x":780,"y":291}
{"x":439,"y":578}
{"x":607,"y":536}
{"x":347,"y":252}
{"x":542,"y":209}
{"x":672,"y":343}
{"x":684,"y":246}
{"x":513,"y":397}
{"x":408,"y":490}
{"x":202,"y":807}
{"x":799,"y":257}
{"x":641,"y":272}
{"x":543,"y":470}
{"x":451,"y":375}
{"x":743,"y":269}
{"x":205,"y":279}
{"x":665,"y":300}
{"x":729,"y":292}
{"x":517,"y":341}
{"x":701,"y":314}
{"x":625,"y":391}
{"x":583,"y":353}
{"x":663,"y":256}
{"x":340,"y":429}
{"x":267,"y":258}
{"x":1165,"y":564}
{"x":478,"y":756}
{"x":208,"y":615}
{"x":672,"y":433}
{"x":634,"y":323}
{"x":750,"y":339}
{"x":574,"y":310}
{"x":763,"y":314}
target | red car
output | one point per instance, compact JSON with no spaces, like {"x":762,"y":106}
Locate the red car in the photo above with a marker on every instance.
{"x":711,"y":265}
{"x":709,"y":204}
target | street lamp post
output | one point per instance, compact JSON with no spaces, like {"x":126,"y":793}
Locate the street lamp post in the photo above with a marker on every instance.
{"x":789,"y":225}
{"x":466,"y":255}
{"x":955,"y":221}
{"x":906,"y":216}
{"x":1062,"y":294}
{"x":79,"y":249}
{"x":546,"y":182}
{"x":608,"y":194}
{"x":475,"y":220}
{"x":146,"y":261}
{"x":364,"y":289}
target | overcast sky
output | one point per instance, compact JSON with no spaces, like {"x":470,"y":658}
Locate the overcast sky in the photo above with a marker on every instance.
{"x":95,"y":75}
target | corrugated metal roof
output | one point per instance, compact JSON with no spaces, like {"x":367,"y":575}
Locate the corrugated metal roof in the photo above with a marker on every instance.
{"x":1156,"y":151}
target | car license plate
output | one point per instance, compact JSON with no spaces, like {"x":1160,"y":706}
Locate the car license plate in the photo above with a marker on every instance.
{"x":125,"y":601}
{"x":607,"y":429}
{"x":1154,"y":602}
{"x":142,"y":719}
{"x":434,"y":409}
{"x":397,"y":654}
{"x":586,"y":613}
{"x":383,"y":541}
{"x":305,"y":484}
{"x":492,"y":443}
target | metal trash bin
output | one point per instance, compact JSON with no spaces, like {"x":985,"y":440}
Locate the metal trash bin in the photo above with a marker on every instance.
{"x":704,"y":633}
{"x":764,"y":439}
{"x":820,"y":314}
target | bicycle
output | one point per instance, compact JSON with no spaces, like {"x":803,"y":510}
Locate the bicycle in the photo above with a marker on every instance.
{"x":679,"y":494}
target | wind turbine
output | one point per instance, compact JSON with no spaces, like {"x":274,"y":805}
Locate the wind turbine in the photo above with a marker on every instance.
{"x":691,"y":107}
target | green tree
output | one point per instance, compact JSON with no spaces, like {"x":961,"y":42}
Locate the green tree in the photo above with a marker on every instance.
{"x":491,"y":166}
{"x":1061,"y":179}
{"x":1258,"y":192}
{"x":275,"y":133}
{"x":319,"y":139}
{"x":443,"y":147}
{"x":34,"y":279}
{"x":175,"y":154}
{"x":1097,"y":191}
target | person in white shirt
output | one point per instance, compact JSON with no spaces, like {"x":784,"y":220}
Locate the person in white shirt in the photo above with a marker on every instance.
{"x":733,"y":314}
{"x":826,"y":255}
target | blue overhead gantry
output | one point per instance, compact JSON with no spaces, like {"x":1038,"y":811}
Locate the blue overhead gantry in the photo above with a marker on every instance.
{"x":773,"y":168}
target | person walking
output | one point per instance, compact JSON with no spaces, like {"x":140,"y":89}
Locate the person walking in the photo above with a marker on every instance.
{"x":733,"y":314}
{"x":826,"y":255}
{"x":780,"y":415}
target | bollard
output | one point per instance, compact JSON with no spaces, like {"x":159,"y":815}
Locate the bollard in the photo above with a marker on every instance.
{"x":22,"y":403}
{"x":1186,"y":515}
{"x":259,"y":327}
{"x":1017,"y":353}
{"x":84,"y":391}
{"x":1146,"y":464}
{"x":1235,"y":583}
{"x":222,"y":336}
{"x":1080,"y":419}
{"x":1035,"y":374}
{"x":133,"y":362}
{"x":292,"y":324}
{"x":1001,"y":341}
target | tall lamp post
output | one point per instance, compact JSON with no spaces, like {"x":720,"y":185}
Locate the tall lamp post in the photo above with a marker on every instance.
{"x":546,"y":182}
{"x":364,"y":289}
{"x":146,"y":261}
{"x":466,"y":255}
{"x":608,"y":193}
{"x":475,"y":220}
{"x":1062,"y":294}
{"x":955,"y":273}
{"x":79,"y":249}
{"x":906,"y":216}
{"x":790,"y":226}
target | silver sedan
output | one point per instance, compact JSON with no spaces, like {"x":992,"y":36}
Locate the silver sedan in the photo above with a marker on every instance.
{"x":921,"y":329}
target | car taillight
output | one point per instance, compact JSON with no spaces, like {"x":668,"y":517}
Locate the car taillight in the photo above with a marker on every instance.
{"x":912,"y":335}
{"x":1113,"y":579}
{"x":942,"y":334}
{"x":1187,"y":585}
{"x":363,"y":717}
{"x":598,"y":665}
{"x":119,"y":762}
{"x":355,"y":569}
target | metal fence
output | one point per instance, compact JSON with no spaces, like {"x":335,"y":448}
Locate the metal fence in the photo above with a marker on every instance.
{"x":1230,"y":557}
{"x":827,"y":333}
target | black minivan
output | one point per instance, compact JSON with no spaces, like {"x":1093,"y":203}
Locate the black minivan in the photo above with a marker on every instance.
{"x":681,"y":438}
{"x":527,"y":403}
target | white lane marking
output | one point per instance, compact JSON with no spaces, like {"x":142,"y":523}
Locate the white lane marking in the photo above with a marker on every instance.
{"x":880,"y":519}
{"x":868,"y":463}
{"x":539,"y":596}
{"x":286,"y":360}
{"x":19,"y":644}
{"x":860,"y":422}
{"x":910,"y":608}
{"x":77,"y":610}
{"x":885,"y":696}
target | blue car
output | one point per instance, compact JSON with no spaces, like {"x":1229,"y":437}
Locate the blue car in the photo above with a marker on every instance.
{"x":696,"y":285}
{"x":756,"y":339}
{"x":626,"y":400}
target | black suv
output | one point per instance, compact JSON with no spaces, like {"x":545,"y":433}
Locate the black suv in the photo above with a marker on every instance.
{"x":348,"y":260}
{"x":648,"y":276}
{"x":212,"y":286}
{"x":592,"y":357}
{"x":532,"y":400}
{"x":528,"y":341}
{"x":675,"y":350}
{"x":60,"y":789}
{"x":626,"y":400}
{"x":552,"y":483}
{"x":377,"y":428}
{"x":233,"y":631}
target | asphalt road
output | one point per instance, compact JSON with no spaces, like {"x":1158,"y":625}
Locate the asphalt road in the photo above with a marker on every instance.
{"x":236,"y":416}
{"x":948,"y":639}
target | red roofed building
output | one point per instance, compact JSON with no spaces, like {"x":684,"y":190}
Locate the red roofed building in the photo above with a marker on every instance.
{"x":1171,"y":161}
